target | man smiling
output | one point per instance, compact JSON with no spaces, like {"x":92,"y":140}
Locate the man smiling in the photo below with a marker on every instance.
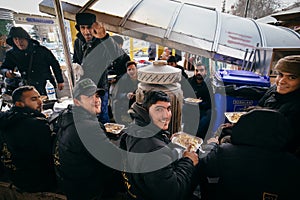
{"x":288,"y":74}
{"x":148,"y":146}
{"x":95,"y":50}
{"x":284,"y":96}
{"x":160,"y":114}
{"x":82,"y":176}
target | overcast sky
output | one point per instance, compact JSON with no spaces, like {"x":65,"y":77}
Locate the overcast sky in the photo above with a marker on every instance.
{"x":31,"y":6}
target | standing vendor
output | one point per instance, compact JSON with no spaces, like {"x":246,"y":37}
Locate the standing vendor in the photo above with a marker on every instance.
{"x":32,"y":60}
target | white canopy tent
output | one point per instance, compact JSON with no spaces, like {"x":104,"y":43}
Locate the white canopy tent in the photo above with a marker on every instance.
{"x":191,"y":28}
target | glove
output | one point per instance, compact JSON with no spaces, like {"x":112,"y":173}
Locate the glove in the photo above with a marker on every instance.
{"x":78,"y":71}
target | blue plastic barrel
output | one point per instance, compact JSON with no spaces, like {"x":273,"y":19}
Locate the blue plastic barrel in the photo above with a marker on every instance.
{"x":225,"y":102}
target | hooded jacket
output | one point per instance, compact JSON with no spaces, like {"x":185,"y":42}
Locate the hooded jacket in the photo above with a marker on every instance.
{"x":16,"y":32}
{"x":26,"y":145}
{"x":172,"y":180}
{"x":254,"y":165}
{"x":40,"y":58}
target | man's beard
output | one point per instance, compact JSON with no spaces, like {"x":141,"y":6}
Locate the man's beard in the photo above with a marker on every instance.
{"x":199,"y":77}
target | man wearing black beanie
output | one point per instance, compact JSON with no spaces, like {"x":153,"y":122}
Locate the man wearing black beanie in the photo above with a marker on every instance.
{"x":95,"y":50}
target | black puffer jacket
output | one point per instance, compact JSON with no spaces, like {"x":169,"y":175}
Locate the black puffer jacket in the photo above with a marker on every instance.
{"x":289,"y":106}
{"x":26,"y":146}
{"x":255,"y":165}
{"x":42,"y":59}
{"x":81,"y":175}
{"x":163,"y":176}
{"x":96,"y":56}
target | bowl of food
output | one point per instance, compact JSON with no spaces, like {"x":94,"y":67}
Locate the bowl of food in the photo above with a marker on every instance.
{"x":114,"y":128}
{"x":234,"y":117}
{"x":184,"y":140}
{"x":193,"y":101}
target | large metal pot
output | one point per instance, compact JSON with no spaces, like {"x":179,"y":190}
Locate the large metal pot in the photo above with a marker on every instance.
{"x":159,"y":73}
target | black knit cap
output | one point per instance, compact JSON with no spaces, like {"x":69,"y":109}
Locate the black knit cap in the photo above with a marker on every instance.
{"x":84,"y":19}
{"x":171,"y":59}
{"x":16,"y":32}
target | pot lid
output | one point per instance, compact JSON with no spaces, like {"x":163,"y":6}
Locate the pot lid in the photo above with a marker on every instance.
{"x":159,"y":66}
{"x":159,"y":73}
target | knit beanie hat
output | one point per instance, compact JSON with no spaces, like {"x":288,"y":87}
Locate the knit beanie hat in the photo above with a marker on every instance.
{"x":87,"y":87}
{"x":84,"y":19}
{"x":16,"y":32}
{"x":289,"y":64}
{"x":171,"y":59}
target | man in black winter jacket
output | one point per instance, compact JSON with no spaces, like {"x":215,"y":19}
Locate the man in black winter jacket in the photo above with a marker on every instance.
{"x":26,"y":144}
{"x":202,"y":91}
{"x":81,"y":175}
{"x":123,"y":95}
{"x":153,"y":169}
{"x":284,"y":97}
{"x":255,"y":165}
{"x":95,"y":50}
{"x":32,"y":60}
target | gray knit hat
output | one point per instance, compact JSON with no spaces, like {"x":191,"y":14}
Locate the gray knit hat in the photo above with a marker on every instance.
{"x":16,"y":32}
{"x":86,"y":87}
{"x":289,"y":64}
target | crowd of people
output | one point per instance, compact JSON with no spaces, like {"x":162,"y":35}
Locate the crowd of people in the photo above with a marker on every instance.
{"x":254,"y":158}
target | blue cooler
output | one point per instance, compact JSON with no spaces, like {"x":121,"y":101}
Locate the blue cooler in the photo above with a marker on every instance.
{"x":242,"y":78}
{"x":236,"y":90}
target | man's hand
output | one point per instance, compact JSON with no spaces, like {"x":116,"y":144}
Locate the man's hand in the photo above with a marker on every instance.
{"x":99,"y":30}
{"x":227,"y":125}
{"x":60,"y":86}
{"x":252,"y":108}
{"x":10,"y":74}
{"x":130,"y":95}
{"x":213,"y":139}
{"x":191,"y":155}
